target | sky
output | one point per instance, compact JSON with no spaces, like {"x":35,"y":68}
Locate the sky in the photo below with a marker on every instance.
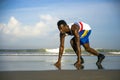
{"x":32,"y":24}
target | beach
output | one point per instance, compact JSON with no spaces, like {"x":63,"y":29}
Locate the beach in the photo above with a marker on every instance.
{"x":41,"y":67}
{"x":61,"y":75}
{"x":46,"y":62}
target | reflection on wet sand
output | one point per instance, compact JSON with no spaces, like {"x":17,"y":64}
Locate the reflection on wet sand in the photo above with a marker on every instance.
{"x":81,"y":67}
{"x":100,"y":66}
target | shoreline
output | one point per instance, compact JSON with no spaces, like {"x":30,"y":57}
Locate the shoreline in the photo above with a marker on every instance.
{"x":36,"y":63}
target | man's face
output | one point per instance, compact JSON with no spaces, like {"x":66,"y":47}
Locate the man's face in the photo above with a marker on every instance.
{"x":63,"y":29}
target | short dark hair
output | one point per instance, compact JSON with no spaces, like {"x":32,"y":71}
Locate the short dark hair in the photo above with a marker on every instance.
{"x":61,"y":22}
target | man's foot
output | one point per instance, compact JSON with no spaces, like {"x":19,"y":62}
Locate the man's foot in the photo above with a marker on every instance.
{"x":82,"y":60}
{"x":100,"y":59}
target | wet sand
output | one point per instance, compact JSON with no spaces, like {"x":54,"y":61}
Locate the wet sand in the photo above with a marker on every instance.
{"x":61,"y":75}
{"x":42,"y":68}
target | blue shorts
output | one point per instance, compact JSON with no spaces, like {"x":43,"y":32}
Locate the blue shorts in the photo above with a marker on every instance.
{"x":84,"y":39}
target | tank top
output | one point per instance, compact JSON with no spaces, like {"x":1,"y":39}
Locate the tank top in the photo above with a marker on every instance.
{"x":82,"y":26}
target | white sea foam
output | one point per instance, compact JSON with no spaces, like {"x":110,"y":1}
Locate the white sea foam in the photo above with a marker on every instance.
{"x":56,"y":50}
{"x":52,"y":50}
{"x":114,"y":52}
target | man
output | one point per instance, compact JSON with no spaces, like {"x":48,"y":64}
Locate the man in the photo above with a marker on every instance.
{"x":80,"y":32}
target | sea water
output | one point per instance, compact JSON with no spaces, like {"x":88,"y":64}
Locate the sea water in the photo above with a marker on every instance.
{"x":46,"y":62}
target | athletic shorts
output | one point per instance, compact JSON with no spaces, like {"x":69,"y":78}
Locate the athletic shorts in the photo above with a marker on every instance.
{"x":84,"y":39}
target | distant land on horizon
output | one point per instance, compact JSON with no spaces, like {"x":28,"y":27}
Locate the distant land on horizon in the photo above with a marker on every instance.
{"x":66,"y":50}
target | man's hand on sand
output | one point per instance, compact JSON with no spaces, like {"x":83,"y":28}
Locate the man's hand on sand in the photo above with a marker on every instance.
{"x":78,"y":65}
{"x":58,"y":65}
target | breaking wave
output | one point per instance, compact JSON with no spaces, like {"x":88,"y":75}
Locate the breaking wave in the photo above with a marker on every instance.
{"x":54,"y":51}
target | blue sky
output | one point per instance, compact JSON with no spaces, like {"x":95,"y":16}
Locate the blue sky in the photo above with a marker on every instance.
{"x":32,"y":23}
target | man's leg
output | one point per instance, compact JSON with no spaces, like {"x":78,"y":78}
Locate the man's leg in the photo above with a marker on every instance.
{"x":89,"y":49}
{"x":73,"y":44}
{"x":94,"y":52}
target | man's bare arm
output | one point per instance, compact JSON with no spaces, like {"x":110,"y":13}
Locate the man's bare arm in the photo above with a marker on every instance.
{"x":61,"y":47}
{"x":75,"y":29}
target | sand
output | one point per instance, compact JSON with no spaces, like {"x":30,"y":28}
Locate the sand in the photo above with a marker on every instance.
{"x":61,"y":75}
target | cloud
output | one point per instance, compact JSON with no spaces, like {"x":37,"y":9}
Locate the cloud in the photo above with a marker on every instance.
{"x":46,"y":17}
{"x":44,"y":27}
{"x":15,"y":34}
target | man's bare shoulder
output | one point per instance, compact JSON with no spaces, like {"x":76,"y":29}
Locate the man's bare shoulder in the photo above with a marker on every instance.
{"x":74,"y":27}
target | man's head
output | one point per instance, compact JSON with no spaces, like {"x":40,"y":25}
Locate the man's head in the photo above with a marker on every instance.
{"x":61,"y":22}
{"x":62,"y":26}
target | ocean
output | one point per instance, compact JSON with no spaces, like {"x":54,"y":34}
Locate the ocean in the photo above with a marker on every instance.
{"x":41,"y":61}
